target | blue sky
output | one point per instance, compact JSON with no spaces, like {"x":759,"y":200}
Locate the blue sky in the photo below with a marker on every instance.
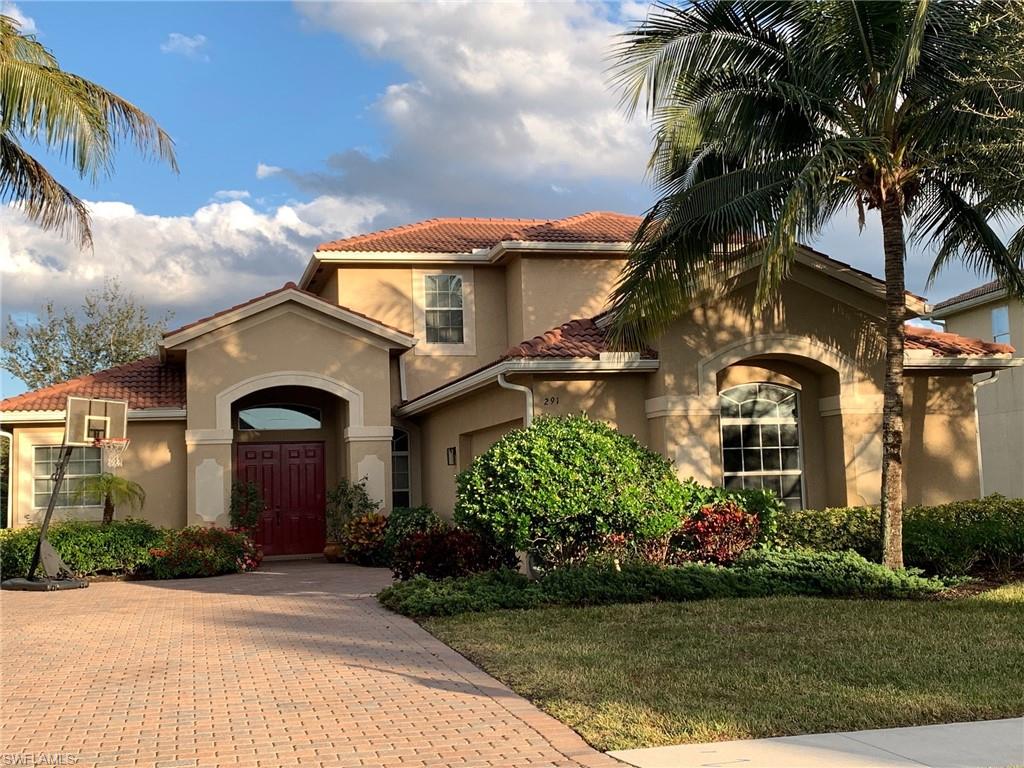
{"x":297,"y":123}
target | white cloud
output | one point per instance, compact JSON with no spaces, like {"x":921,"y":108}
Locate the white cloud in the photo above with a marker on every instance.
{"x":231,"y":194}
{"x":26,"y":23}
{"x":189,"y":46}
{"x":516,"y":92}
{"x":222,"y":253}
{"x":263,"y":170}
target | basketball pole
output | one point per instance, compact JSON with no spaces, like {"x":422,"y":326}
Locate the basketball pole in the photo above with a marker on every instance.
{"x":58,"y":481}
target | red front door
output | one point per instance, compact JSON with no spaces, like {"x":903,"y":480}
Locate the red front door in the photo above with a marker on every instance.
{"x":290,"y":477}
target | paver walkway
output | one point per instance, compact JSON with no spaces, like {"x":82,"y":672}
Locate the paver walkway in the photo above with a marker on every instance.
{"x":295,"y":664}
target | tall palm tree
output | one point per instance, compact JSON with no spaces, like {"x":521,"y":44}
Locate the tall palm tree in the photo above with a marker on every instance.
{"x":771,"y":117}
{"x":114,"y":491}
{"x":41,"y":103}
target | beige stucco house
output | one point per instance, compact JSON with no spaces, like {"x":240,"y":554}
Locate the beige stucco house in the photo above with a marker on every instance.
{"x":988,"y":312}
{"x":402,"y":354}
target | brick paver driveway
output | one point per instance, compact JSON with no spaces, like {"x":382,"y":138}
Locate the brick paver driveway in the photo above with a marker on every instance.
{"x":295,"y":664}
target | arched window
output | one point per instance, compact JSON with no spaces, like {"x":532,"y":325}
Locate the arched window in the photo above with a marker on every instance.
{"x":761,"y":440}
{"x":401,"y":486}
{"x":281,"y":416}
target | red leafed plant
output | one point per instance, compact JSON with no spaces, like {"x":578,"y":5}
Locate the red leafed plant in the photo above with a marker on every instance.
{"x":719,"y":533}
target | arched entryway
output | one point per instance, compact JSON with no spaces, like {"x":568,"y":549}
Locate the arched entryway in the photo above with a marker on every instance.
{"x":288,"y":444}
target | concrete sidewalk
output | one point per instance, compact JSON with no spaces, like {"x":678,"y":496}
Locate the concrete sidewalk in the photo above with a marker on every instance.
{"x":987,"y":744}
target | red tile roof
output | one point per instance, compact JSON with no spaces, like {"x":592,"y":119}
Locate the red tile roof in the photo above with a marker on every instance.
{"x":575,"y":339}
{"x":974,"y":293}
{"x":952,"y":344}
{"x":145,"y":383}
{"x":467,"y":235}
{"x":286,"y":287}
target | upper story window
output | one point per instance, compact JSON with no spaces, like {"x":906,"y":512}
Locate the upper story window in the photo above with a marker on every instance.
{"x":284,"y":416}
{"x":1001,"y":324}
{"x":761,"y":440}
{"x":84,"y":464}
{"x":444,"y":312}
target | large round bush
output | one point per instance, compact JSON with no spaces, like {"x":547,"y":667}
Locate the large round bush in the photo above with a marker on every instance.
{"x":561,"y":486}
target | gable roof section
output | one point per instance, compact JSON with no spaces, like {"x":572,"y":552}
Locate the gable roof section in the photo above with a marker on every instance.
{"x":146,"y":384}
{"x":981,"y":294}
{"x":287,"y":292}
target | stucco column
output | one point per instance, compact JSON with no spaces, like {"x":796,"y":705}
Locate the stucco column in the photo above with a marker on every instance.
{"x":209,"y":476}
{"x":369,"y":459}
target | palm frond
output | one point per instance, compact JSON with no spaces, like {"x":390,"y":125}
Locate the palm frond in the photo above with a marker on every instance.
{"x":28,"y":185}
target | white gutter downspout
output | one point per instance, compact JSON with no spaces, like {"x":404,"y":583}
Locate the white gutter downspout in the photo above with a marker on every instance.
{"x":528,"y":416}
{"x":992,"y":376}
{"x":9,"y":436}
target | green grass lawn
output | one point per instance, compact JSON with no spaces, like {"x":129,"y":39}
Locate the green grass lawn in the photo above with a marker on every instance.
{"x":628,"y":676}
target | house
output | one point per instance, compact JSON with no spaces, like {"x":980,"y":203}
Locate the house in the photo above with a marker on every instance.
{"x":988,"y":312}
{"x":401,"y":354}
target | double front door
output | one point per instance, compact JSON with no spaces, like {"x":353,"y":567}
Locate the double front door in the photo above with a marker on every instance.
{"x":290,"y":477}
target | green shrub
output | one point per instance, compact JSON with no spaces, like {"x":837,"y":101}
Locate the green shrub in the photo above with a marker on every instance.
{"x":120,"y":548}
{"x":444,"y":552}
{"x":833,"y":529}
{"x":200,"y":551}
{"x":405,"y":521}
{"x":829,"y":574}
{"x":557,"y":488}
{"x":362,"y":540}
{"x":757,"y":573}
{"x":346,"y":501}
{"x":961,"y":537}
{"x":246,"y":506}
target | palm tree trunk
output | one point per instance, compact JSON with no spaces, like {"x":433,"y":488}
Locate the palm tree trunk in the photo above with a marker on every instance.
{"x":892,"y":407}
{"x":108,"y":510}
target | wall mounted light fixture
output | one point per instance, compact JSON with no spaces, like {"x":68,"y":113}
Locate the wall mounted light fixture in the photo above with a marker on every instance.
{"x":451,"y":456}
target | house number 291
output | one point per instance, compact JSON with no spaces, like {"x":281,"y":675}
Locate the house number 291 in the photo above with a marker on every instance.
{"x":551,"y":400}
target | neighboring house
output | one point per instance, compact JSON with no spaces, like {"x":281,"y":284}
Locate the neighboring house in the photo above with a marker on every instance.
{"x":402,"y":354}
{"x":988,"y":312}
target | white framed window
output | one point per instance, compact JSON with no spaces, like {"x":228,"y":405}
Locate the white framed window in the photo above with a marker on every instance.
{"x":401,"y":480}
{"x":1001,"y":324}
{"x":444,"y":311}
{"x":85,"y":463}
{"x":761,"y":440}
{"x":443,"y":304}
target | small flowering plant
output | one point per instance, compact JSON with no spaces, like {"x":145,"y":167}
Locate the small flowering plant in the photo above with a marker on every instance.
{"x":200,"y":551}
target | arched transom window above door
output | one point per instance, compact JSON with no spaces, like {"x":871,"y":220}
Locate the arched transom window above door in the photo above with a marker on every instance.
{"x":279,"y":416}
{"x":761,"y":440}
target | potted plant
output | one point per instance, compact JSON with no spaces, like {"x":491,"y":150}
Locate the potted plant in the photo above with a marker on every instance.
{"x":346,"y":501}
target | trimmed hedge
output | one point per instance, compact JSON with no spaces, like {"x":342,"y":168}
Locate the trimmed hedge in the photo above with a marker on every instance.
{"x":756,"y":574}
{"x":120,"y":547}
{"x":958,"y":538}
{"x":405,"y":521}
{"x":557,"y":488}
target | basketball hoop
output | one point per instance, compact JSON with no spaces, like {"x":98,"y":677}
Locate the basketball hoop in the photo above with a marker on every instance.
{"x":113,"y":450}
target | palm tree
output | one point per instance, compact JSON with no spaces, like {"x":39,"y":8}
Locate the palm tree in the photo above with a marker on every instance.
{"x":771,"y":117}
{"x":115,"y":492}
{"x":41,"y":103}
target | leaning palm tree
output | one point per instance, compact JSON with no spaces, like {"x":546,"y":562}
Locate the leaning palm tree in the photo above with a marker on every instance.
{"x":114,"y":491}
{"x":42,"y":104}
{"x":772,"y":117}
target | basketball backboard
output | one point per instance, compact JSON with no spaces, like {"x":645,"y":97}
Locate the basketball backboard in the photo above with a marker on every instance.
{"x":89,"y":420}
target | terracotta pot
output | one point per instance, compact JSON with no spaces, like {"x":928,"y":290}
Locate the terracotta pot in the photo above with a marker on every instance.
{"x":332,"y":551}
